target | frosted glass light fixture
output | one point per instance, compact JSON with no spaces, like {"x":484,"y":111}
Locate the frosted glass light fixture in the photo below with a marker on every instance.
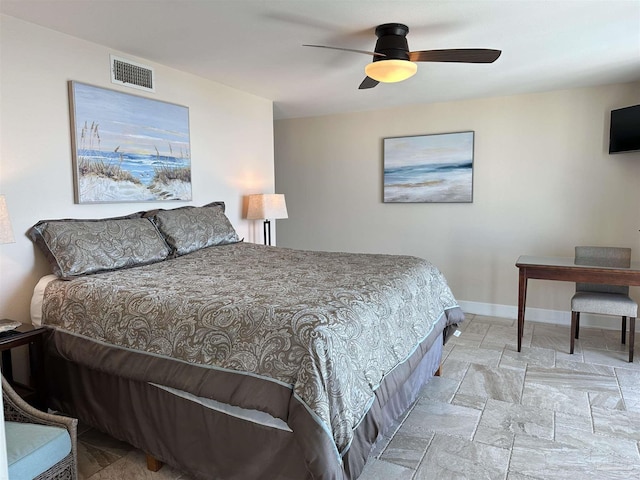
{"x":391,"y":71}
{"x":267,"y":206}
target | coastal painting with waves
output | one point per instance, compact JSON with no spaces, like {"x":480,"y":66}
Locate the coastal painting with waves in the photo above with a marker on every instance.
{"x":128,"y":148}
{"x":429,"y":168}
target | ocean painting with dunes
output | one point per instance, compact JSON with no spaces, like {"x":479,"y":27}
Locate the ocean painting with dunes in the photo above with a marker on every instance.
{"x":429,"y":168}
{"x":128,"y":148}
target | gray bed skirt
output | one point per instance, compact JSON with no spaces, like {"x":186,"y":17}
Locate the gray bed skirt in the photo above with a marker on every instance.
{"x":209,"y":444}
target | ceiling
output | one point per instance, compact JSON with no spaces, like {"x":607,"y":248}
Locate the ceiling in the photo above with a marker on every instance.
{"x":256,"y":45}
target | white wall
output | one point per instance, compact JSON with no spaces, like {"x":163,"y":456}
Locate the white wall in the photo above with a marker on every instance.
{"x":543,"y":182}
{"x":231,"y":143}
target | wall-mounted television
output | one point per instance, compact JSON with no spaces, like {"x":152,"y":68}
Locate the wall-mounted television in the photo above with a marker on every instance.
{"x":624,"y":134}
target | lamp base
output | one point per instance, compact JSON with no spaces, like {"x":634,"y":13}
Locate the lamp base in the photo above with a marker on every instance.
{"x":267,"y":232}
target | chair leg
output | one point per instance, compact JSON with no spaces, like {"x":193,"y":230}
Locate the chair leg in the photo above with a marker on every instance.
{"x":624,"y":330}
{"x":632,"y":335}
{"x":574,"y":331}
{"x":577,"y":324}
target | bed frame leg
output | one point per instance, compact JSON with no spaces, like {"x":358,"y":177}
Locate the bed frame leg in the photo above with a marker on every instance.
{"x":153,"y":464}
{"x":438,"y":371}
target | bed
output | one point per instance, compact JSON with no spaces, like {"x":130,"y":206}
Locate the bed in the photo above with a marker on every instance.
{"x":231,"y":360}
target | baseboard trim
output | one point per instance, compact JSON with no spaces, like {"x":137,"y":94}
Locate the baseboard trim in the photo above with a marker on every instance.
{"x":556,"y":317}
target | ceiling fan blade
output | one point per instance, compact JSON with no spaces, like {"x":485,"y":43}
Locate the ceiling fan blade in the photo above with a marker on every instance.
{"x":460,"y":55}
{"x":368,"y":82}
{"x":348,"y":50}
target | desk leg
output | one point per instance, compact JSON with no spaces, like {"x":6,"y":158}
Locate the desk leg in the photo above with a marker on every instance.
{"x":522,"y":298}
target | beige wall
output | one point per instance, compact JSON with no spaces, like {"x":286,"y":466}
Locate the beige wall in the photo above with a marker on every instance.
{"x":543,"y":182}
{"x":231,"y":143}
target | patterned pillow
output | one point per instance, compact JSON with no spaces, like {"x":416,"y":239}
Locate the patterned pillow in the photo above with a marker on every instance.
{"x":80,"y":247}
{"x":187,"y":229}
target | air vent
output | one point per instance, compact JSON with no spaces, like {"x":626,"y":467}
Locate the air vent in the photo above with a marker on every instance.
{"x":131,"y":74}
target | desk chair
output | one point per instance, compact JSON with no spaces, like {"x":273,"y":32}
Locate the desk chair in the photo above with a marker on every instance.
{"x":604,"y":299}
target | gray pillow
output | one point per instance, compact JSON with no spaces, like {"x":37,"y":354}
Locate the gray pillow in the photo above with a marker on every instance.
{"x":188,"y":229}
{"x":79,"y":247}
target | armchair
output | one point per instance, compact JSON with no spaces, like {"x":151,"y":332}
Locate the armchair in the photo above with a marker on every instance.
{"x":39,"y":445}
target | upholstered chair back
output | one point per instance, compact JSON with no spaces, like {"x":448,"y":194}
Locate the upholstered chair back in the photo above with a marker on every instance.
{"x":602,"y":257}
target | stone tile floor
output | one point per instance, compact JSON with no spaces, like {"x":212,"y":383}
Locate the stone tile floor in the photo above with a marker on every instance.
{"x":493,"y":414}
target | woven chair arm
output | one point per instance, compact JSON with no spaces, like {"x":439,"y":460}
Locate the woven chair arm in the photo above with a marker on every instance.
{"x":17,"y":410}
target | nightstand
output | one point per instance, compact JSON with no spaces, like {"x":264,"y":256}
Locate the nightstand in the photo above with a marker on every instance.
{"x":26,"y":334}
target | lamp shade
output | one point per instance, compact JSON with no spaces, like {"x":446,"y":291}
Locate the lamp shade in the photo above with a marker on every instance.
{"x":266,"y":205}
{"x":6,"y":232}
{"x":390,"y":71}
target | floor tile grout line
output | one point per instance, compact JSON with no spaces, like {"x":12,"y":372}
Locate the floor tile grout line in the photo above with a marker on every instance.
{"x":475,"y":430}
{"x":513,"y":443}
{"x":624,"y":401}
{"x":524,"y":382}
{"x":424,"y":454}
{"x":404,"y":419}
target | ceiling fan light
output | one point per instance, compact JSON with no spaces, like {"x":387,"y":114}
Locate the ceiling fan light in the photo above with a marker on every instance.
{"x":390,"y":71}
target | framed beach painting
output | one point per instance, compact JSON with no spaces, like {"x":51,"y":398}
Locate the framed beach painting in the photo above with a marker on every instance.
{"x":429,"y":168}
{"x":128,"y":148}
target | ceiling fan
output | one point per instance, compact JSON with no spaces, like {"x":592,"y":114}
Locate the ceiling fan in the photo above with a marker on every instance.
{"x":393,"y":62}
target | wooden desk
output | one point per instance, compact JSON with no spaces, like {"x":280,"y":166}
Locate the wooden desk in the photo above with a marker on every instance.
{"x":565,"y":269}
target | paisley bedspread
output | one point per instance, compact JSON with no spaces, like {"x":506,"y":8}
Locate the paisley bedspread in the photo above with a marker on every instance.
{"x":329,"y":326}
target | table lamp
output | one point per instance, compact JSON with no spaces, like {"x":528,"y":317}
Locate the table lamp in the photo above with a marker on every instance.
{"x":266,"y":206}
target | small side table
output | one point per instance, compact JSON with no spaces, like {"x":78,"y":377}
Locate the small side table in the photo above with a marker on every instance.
{"x":26,"y":334}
